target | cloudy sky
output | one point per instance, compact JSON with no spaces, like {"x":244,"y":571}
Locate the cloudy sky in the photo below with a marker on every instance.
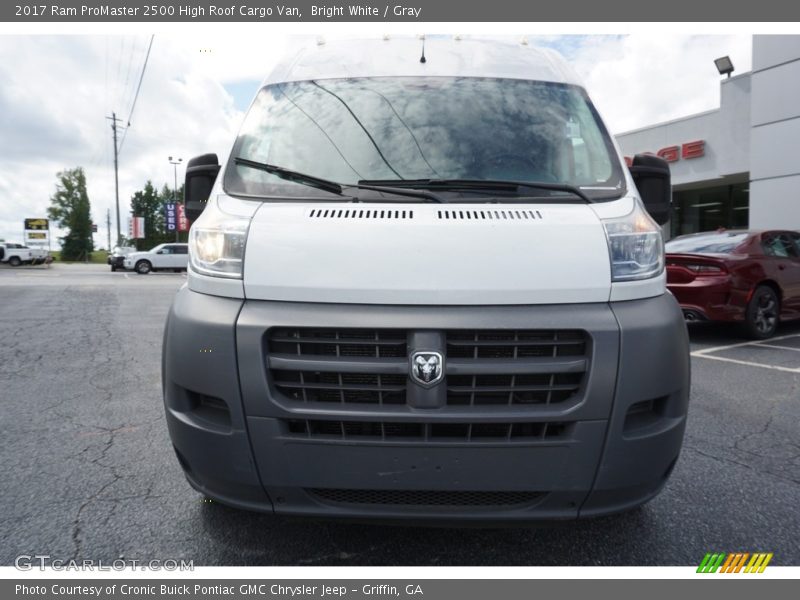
{"x":56,"y":93}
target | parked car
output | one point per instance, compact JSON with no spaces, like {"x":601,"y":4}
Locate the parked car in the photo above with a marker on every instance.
{"x":117,"y":257}
{"x":747,"y":277}
{"x":18,"y":254}
{"x":434,"y":292}
{"x":164,"y":257}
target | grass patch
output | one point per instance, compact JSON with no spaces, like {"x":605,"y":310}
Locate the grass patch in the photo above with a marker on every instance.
{"x":97,"y":257}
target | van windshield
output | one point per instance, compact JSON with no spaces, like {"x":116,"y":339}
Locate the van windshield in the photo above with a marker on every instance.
{"x":410,"y":128}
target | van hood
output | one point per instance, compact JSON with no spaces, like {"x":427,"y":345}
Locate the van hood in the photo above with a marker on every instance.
{"x":427,"y":254}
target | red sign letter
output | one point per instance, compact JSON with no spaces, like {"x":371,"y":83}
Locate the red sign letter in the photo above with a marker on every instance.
{"x":669,"y":154}
{"x":693,"y":149}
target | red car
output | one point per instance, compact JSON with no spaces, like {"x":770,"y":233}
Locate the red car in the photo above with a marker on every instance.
{"x":750,"y":277}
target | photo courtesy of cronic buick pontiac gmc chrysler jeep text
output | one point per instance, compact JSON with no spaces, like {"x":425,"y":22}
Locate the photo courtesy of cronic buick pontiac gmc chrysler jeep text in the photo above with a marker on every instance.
{"x":426,"y":289}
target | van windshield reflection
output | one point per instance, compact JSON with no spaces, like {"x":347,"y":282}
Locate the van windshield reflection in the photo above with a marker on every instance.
{"x":411,"y":128}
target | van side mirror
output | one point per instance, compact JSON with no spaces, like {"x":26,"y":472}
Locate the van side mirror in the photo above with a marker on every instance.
{"x":652,"y":178}
{"x":201,"y":173}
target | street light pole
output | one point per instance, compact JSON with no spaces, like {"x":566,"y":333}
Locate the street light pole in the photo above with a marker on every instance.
{"x":175,"y":164}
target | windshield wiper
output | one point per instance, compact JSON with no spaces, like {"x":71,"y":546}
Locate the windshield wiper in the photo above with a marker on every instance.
{"x":478,"y":184}
{"x":398,"y":189}
{"x":295,"y":176}
{"x":331,"y":186}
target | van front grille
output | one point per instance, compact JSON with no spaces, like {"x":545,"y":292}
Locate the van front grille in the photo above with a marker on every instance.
{"x":377,"y":431}
{"x":547,"y":388}
{"x":339,"y":342}
{"x":482,"y":367}
{"x":357,"y":388}
{"x":477,"y":344}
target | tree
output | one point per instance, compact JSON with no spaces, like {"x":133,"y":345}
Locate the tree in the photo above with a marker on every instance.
{"x":71,"y":210}
{"x":150,"y":204}
{"x":146,"y":203}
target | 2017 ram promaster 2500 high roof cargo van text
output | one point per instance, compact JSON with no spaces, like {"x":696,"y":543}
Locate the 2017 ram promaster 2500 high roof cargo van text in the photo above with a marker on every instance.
{"x":426,"y":289}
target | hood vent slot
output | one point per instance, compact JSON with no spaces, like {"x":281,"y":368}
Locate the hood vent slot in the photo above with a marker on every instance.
{"x":513,"y":214}
{"x":361,"y":213}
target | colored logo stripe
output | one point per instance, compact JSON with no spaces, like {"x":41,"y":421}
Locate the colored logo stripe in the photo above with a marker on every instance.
{"x":733,"y":562}
{"x":711,"y":563}
{"x":758,"y":563}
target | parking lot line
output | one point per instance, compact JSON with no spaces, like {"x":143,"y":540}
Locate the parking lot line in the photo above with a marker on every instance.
{"x":709,"y":353}
{"x":778,"y":347}
{"x":748,"y":363}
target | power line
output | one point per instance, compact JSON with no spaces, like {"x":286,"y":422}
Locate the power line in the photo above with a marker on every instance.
{"x":136,"y":97}
{"x":125,"y":93}
{"x":118,"y":79}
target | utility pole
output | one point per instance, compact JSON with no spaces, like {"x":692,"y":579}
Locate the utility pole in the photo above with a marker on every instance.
{"x":108,"y":228}
{"x":175,"y":164}
{"x":113,"y":118}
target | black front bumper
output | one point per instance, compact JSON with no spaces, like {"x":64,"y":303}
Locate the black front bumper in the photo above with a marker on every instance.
{"x":231,"y":431}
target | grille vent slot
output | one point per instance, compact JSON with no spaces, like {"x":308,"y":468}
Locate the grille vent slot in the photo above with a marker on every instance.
{"x":454,"y":498}
{"x":401,"y":431}
{"x":361,"y":213}
{"x":494,"y":214}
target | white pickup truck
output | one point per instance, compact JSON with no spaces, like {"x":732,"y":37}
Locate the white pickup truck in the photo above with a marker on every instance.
{"x":17,"y":254}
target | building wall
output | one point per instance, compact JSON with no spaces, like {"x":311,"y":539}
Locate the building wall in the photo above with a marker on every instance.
{"x":775,"y":132}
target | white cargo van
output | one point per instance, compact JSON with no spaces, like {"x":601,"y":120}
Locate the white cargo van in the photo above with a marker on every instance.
{"x":426,"y":287}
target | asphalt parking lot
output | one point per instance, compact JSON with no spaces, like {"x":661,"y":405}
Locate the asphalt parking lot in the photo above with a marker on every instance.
{"x":87,"y":469}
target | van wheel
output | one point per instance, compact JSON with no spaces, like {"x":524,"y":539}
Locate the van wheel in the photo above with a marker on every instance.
{"x":14,"y":261}
{"x":762,"y":314}
{"x":143,"y":267}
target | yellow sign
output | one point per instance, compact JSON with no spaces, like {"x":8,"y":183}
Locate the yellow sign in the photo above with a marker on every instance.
{"x":37,"y":224}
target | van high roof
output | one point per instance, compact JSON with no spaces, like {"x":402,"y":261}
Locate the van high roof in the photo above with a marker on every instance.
{"x":445,"y":57}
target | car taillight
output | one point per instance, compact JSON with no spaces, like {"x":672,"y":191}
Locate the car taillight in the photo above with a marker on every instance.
{"x":703,"y":269}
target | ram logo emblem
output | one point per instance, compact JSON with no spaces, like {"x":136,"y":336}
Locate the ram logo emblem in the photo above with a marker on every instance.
{"x":427,"y":368}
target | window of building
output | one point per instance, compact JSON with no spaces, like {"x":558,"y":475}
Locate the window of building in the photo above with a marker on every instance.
{"x":708,"y":209}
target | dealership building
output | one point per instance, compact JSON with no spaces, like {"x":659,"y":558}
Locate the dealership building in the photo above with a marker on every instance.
{"x":739,"y":165}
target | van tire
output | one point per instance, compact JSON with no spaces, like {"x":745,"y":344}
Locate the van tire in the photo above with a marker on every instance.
{"x":143,"y":267}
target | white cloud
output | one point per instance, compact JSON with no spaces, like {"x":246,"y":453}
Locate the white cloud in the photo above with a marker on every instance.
{"x":640,"y":80}
{"x":57,"y":91}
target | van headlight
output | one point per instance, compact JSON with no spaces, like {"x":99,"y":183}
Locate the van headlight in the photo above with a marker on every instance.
{"x":635,"y":245}
{"x":216,"y":243}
